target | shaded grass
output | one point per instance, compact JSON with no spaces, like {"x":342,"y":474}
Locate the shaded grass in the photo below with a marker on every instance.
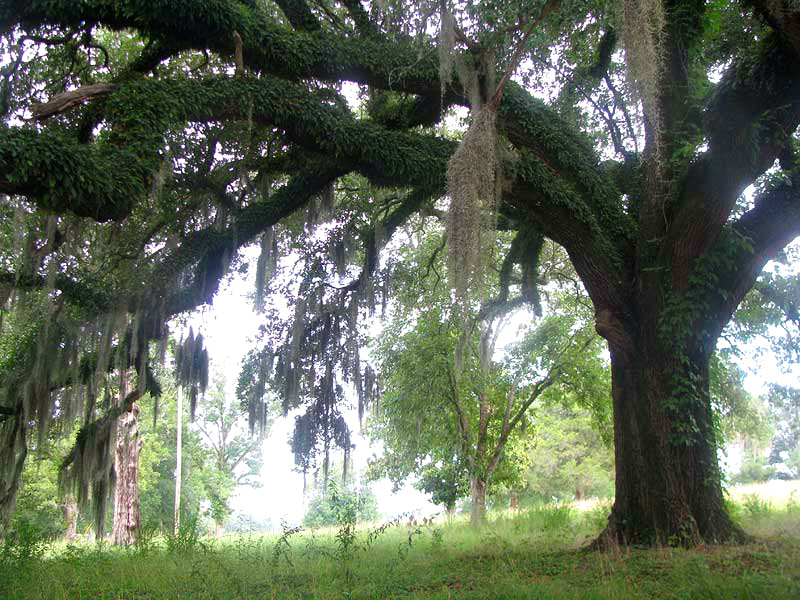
{"x":536,"y":554}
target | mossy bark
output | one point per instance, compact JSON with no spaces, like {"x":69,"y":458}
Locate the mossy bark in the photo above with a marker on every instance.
{"x":127,"y":509}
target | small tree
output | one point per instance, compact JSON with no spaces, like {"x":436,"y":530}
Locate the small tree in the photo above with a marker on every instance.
{"x":570,"y":456}
{"x":434,"y":409}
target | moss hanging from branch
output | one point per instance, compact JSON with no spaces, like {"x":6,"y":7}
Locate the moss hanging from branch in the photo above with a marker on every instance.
{"x":447,"y":44}
{"x":471,"y":184}
{"x":191,"y":368}
{"x":641,"y":24}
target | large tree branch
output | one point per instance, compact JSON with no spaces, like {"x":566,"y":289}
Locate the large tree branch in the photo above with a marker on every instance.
{"x":299,"y":14}
{"x":383,"y":63}
{"x":784,"y":17}
{"x":759,"y":235}
{"x":754,"y":112}
{"x":91,"y":296}
{"x":85,"y":180}
{"x":386,"y":157}
{"x":208,"y":247}
{"x":555,"y":209}
{"x":364,"y":26}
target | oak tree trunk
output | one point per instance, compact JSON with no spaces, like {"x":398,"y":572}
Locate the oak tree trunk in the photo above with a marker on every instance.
{"x":127,"y":514}
{"x":668,"y":487}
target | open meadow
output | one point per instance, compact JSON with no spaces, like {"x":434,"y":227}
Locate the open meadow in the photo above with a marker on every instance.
{"x":537,"y":553}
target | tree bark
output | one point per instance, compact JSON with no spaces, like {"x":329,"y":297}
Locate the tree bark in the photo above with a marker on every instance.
{"x":219,"y":528}
{"x":127,"y":514}
{"x":478,"y":492}
{"x":70,"y":509}
{"x":668,"y":487}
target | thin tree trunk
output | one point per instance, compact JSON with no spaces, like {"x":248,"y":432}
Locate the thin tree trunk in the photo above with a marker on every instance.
{"x":478,"y":493}
{"x":514,"y":504}
{"x":178,"y":460}
{"x":127,"y":514}
{"x":70,"y":509}
{"x":219,"y":528}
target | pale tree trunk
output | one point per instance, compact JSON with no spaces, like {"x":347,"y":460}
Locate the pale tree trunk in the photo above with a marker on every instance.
{"x":178,"y":460}
{"x":514,"y":505}
{"x":127,"y":514}
{"x":219,"y":528}
{"x":70,"y":509}
{"x":478,"y":493}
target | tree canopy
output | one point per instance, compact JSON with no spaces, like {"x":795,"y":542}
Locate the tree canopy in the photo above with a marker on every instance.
{"x":145,"y":143}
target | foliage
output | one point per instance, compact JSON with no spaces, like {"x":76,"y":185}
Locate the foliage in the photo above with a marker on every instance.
{"x":157,"y":463}
{"x":446,"y":484}
{"x":568,"y":458}
{"x":38,"y":499}
{"x":26,"y":543}
{"x":187,"y":539}
{"x":754,"y":470}
{"x":337,"y":506}
{"x":742,"y":416}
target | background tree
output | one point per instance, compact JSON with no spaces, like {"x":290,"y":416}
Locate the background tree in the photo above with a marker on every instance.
{"x":235,"y":457}
{"x":569,"y":458}
{"x":784,"y":404}
{"x":449,"y":406}
{"x":333,"y":503}
{"x":144,"y":185}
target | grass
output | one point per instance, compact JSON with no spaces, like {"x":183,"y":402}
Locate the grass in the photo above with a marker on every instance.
{"x":534,"y":554}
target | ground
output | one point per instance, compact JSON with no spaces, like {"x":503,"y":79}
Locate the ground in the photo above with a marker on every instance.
{"x":537,"y":553}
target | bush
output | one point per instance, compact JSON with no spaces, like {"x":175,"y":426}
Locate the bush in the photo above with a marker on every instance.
{"x":24,"y":543}
{"x":755,"y":507}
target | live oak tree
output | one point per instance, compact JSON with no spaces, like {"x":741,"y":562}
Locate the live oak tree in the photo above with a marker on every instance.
{"x":146,"y":142}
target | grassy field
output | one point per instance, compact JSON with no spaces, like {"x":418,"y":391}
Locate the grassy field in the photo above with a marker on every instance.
{"x":535,"y":554}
